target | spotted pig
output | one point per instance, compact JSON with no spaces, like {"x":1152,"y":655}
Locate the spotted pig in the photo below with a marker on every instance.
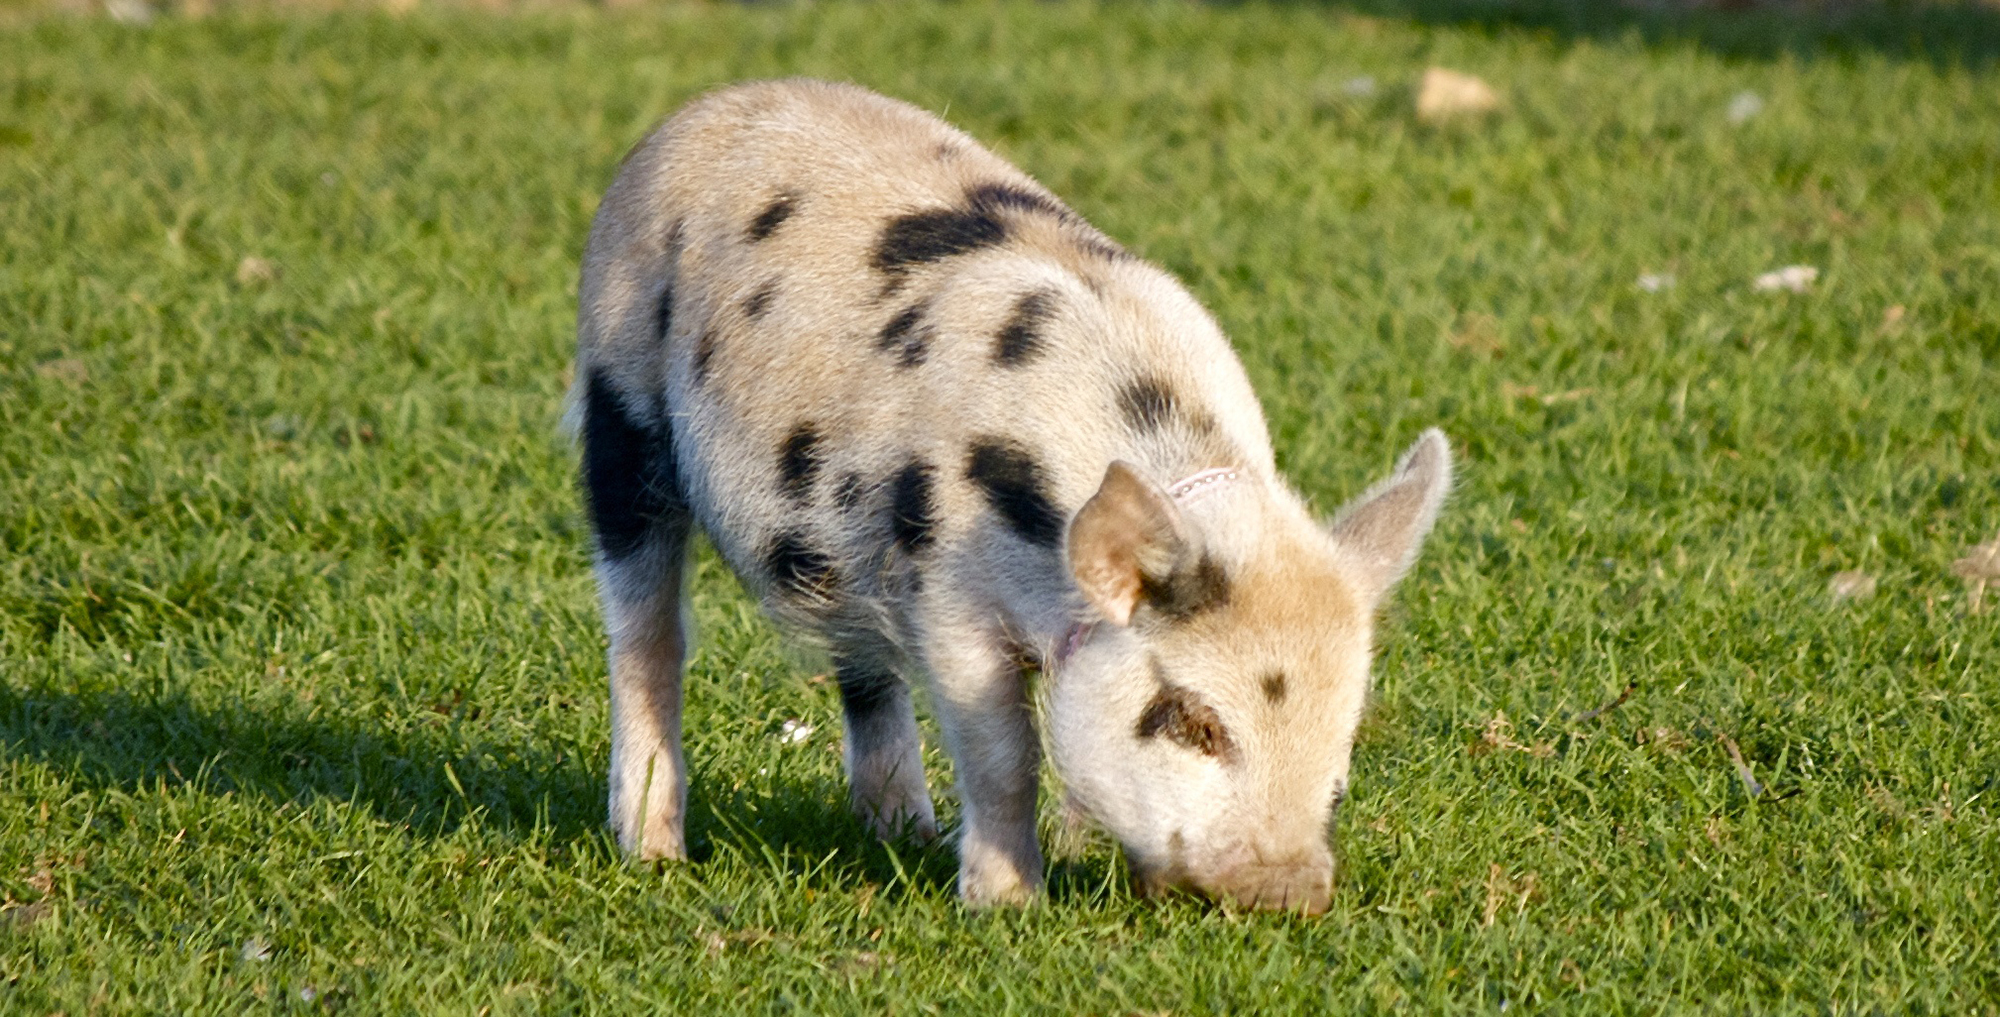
{"x":934,"y":418}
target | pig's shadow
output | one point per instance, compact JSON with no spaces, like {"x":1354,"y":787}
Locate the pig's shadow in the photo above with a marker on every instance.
{"x":435,"y":778}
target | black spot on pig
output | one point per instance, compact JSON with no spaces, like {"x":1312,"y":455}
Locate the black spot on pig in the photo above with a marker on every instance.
{"x":1099,"y":245}
{"x":1149,"y":405}
{"x":1180,"y":716}
{"x":912,"y":511}
{"x":991,"y":198}
{"x":757,"y":303}
{"x":1017,"y":489}
{"x":907,"y":336}
{"x":629,"y":474}
{"x":799,"y":569}
{"x":768,"y":221}
{"x":799,"y":461}
{"x":866,"y":689}
{"x":920,"y":238}
{"x":1188,"y":591}
{"x":1021,"y":338}
{"x":1273,"y":685}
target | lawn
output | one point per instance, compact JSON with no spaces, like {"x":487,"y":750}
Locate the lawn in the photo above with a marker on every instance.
{"x":302,"y":696}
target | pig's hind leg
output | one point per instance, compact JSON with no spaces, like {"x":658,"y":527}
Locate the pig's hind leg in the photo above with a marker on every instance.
{"x":642,"y":525}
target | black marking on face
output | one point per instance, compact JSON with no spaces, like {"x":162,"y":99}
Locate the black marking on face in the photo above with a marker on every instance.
{"x":908,"y":335}
{"x":704,"y":351}
{"x":991,"y":198}
{"x":1021,"y":338}
{"x":757,"y":303}
{"x":1016,"y":487}
{"x":1273,"y":685}
{"x":1149,"y":405}
{"x":768,"y":221}
{"x":797,"y":567}
{"x":866,"y":689}
{"x":1188,"y":591}
{"x":799,"y":461}
{"x":912,"y":510}
{"x":920,"y":238}
{"x":1180,"y":716}
{"x":848,"y":494}
{"x":629,"y":474}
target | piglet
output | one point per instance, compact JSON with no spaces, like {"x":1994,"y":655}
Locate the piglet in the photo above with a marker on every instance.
{"x":938,"y":422}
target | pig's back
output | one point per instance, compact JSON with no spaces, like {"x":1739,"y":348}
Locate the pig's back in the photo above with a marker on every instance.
{"x":882,"y":351}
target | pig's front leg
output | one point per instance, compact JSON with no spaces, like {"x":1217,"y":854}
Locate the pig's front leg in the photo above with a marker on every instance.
{"x":982,"y":705}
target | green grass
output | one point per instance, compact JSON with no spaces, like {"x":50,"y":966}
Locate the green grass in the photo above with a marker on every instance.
{"x":300,"y":659}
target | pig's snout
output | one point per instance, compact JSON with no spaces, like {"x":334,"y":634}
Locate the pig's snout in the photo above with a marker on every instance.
{"x":1303,"y":884}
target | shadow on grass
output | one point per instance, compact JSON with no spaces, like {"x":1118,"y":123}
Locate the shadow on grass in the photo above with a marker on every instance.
{"x":435,"y":780}
{"x":426,"y":778}
{"x":1942,"y":32}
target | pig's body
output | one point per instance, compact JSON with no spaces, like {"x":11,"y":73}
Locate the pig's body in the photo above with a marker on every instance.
{"x":885,"y":371}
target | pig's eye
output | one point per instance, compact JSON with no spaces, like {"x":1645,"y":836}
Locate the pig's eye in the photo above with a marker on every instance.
{"x":1180,"y":716}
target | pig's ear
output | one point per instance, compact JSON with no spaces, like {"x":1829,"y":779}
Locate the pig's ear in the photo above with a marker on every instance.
{"x":1380,"y":532}
{"x":1127,"y":533}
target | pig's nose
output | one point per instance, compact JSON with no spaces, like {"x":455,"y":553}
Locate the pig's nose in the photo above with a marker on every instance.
{"x":1304,"y":886}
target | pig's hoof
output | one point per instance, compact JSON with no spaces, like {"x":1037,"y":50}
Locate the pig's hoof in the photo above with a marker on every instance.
{"x":674,"y":852}
{"x":995,"y":893}
{"x":909,"y":819}
{"x":902,"y":826}
{"x":661,"y":841}
{"x":994,"y":880}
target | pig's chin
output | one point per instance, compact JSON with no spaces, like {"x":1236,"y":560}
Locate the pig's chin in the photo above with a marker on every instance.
{"x":1235,"y":877}
{"x":1165,"y":844}
{"x":1179,"y":862}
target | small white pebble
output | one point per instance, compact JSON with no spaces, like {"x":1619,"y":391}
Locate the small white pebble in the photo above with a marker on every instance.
{"x":1979,"y":568}
{"x":1654,"y":282}
{"x":1791,"y":278}
{"x":1744,"y":106}
{"x":255,"y":949}
{"x":1446,"y":94}
{"x":308,"y":994}
{"x":1853,"y":584}
{"x":129,"y":12}
{"x":1361,"y":87}
{"x":794,"y":732}
{"x":252,"y":270}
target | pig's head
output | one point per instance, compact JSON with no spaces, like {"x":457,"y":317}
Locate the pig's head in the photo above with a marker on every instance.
{"x":1206,"y":720}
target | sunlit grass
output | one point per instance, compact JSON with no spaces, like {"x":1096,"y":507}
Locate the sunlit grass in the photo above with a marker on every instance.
{"x":300,"y":664}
